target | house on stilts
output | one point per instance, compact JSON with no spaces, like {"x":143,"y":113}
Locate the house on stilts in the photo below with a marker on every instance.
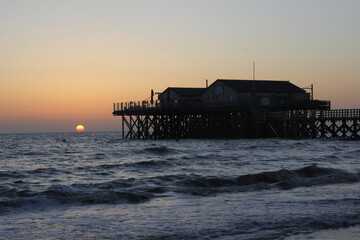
{"x":236,"y":109}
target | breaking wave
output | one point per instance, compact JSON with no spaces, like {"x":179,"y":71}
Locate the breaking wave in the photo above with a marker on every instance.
{"x":282,"y":179}
{"x":139,"y":190}
{"x":158,"y":150}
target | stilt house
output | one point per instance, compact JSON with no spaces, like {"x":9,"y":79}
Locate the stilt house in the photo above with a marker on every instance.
{"x":181,"y":97}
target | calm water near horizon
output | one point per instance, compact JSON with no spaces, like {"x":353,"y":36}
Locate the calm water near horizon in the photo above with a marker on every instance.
{"x":98,"y":186}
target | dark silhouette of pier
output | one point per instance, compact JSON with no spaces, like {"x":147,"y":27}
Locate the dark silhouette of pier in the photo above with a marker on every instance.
{"x":284,"y":112}
{"x":237,"y":122}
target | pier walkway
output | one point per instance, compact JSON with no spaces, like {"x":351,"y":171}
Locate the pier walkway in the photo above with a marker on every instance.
{"x":142,"y":120}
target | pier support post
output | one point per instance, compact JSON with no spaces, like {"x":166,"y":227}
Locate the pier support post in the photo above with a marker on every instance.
{"x":237,"y":123}
{"x":123,"y":126}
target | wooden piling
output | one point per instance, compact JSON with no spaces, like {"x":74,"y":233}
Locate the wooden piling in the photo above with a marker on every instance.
{"x":142,"y":122}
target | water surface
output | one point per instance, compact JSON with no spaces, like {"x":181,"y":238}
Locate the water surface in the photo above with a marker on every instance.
{"x":98,"y":186}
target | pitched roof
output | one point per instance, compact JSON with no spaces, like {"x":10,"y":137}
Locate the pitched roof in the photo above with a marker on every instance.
{"x":187,"y":92}
{"x":261,"y":85}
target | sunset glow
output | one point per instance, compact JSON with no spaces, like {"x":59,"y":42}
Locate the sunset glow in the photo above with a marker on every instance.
{"x":80,"y":128}
{"x":62,"y":63}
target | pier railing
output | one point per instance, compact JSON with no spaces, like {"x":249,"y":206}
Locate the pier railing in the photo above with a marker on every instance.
{"x":144,"y":120}
{"x":181,"y":105}
{"x":316,"y":114}
{"x":136,"y":106}
{"x":132,"y":105}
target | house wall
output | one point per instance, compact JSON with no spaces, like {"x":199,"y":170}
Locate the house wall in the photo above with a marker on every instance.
{"x":219,"y":93}
{"x":278,"y":99}
{"x":169,"y":98}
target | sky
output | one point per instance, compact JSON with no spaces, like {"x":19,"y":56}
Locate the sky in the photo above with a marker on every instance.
{"x":64,"y":63}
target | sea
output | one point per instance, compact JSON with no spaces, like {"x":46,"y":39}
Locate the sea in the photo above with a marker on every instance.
{"x":99,"y":186}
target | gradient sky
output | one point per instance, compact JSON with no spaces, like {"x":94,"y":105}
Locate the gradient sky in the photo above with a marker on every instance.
{"x":64,"y":63}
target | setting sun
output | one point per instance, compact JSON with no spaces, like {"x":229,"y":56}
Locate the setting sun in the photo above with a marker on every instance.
{"x":80,"y":128}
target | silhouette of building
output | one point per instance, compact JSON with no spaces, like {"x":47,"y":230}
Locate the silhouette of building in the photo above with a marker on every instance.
{"x":181,"y":97}
{"x":256,"y":95}
{"x":237,"y":109}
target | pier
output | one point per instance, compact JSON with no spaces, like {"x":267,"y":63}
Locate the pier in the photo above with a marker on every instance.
{"x":327,"y":124}
{"x":146,"y":122}
{"x":237,"y":109}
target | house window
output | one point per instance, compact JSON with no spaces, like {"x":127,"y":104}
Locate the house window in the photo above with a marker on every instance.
{"x":219,"y":90}
{"x":265,"y":101}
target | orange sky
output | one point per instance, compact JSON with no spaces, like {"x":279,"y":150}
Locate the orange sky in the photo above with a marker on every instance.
{"x":64,"y":63}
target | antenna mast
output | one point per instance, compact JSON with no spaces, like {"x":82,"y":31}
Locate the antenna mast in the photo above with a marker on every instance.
{"x":253,"y":79}
{"x":254,"y":70}
{"x":311,"y":91}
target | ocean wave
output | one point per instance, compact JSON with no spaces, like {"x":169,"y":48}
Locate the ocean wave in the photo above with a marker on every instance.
{"x":43,"y":171}
{"x":35,"y":153}
{"x":138,"y":190}
{"x":98,"y":156}
{"x":120,"y":183}
{"x":269,"y":229}
{"x":149,"y":163}
{"x":158,"y":150}
{"x":11,"y":174}
{"x":106,"y":166}
{"x":58,"y":195}
{"x":115,"y":141}
{"x":99,"y":196}
{"x":282,"y":179}
{"x":127,"y":165}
